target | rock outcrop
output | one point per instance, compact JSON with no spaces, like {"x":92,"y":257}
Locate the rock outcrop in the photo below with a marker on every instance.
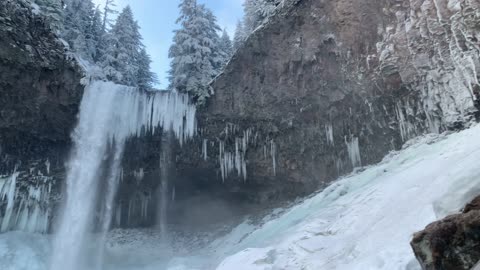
{"x":40,"y":94}
{"x":328,"y":86}
{"x":452,"y":243}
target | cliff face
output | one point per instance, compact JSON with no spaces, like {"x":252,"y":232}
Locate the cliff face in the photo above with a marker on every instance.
{"x":324,"y":87}
{"x":40,"y":87}
{"x":40,"y":93}
{"x":327,"y":86}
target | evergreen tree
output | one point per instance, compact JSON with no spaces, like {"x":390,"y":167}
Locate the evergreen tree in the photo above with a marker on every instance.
{"x":121,"y":59}
{"x":53,"y":10}
{"x":212,"y":39}
{"x":145,"y":77}
{"x":108,"y":60}
{"x":256,"y":11}
{"x":226,"y":48}
{"x":95,"y":35}
{"x":251,"y":18}
{"x":108,"y":9}
{"x":240,"y":36}
{"x":194,"y":60}
{"x":78,"y":19}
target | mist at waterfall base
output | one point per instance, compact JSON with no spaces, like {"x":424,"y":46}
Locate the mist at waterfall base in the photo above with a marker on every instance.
{"x":362,"y":221}
{"x":109,"y":115}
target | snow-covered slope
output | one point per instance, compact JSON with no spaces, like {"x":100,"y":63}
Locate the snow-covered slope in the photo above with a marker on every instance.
{"x":364,"y":221}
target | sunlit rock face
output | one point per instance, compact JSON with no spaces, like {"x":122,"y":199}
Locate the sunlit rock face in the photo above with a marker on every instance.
{"x":334,"y":85}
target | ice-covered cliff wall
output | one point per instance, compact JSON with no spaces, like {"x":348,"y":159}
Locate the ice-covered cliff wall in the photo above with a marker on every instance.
{"x":39,"y":95}
{"x":321,"y":88}
{"x":433,"y":47}
{"x":337,"y":85}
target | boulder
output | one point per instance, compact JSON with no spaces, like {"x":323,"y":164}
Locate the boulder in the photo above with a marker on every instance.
{"x":452,"y":243}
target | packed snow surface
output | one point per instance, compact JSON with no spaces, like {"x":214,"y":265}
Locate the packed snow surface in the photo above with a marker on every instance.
{"x":363,"y":221}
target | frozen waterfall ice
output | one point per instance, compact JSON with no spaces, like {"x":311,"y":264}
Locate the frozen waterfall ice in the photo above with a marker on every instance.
{"x":109,"y":114}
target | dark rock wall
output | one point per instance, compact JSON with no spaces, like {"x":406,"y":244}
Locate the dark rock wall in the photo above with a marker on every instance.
{"x":334,"y":85}
{"x":40,"y":92}
{"x":324,"y":87}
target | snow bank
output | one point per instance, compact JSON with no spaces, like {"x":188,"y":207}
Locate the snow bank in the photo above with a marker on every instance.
{"x":366,"y":221}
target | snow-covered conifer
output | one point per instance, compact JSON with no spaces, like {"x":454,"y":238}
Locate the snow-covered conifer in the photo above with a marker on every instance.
{"x":120,"y":59}
{"x":256,"y":11}
{"x":240,"y":36}
{"x":94,"y":35}
{"x":108,"y":9}
{"x":78,"y":20}
{"x":145,"y":77}
{"x":53,"y":10}
{"x":226,"y":47}
{"x":194,"y":59}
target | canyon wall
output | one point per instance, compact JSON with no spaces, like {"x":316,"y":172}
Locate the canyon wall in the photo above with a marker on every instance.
{"x":328,"y":86}
{"x":40,"y":92}
{"x":322,"y":88}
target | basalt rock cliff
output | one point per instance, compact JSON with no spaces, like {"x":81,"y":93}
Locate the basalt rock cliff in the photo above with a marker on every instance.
{"x":40,"y":92}
{"x":322,"y":88}
{"x":328,"y":86}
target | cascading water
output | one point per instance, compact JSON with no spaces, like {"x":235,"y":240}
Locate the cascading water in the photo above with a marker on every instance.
{"x":109,"y":114}
{"x":163,"y":188}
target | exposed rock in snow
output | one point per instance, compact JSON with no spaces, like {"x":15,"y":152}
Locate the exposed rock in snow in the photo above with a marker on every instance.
{"x":366,"y":220}
{"x":451,"y":243}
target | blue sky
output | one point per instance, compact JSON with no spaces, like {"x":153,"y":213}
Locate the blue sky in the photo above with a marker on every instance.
{"x":157,"y":20}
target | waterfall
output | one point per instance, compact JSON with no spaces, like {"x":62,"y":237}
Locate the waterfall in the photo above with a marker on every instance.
{"x":162,"y":191}
{"x":109,"y":114}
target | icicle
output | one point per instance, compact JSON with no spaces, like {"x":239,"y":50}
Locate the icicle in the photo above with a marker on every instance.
{"x":205,"y":150}
{"x":407,"y":129}
{"x":8,"y":192}
{"x":221,"y":160}
{"x":129,"y":214}
{"x":118,"y":216}
{"x":139,"y":175}
{"x":47,"y":166}
{"x":354,"y":151}
{"x":273,"y":153}
{"x":329,"y":134}
{"x":232,"y":162}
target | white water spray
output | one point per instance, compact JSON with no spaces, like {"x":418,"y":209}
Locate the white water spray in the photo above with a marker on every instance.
{"x":109,"y":113}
